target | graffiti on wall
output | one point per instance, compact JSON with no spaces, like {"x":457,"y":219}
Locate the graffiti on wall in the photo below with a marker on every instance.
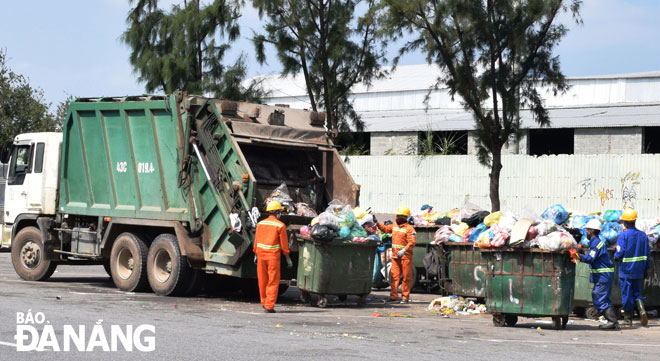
{"x":629,"y":184}
{"x":588,"y":188}
{"x":605,"y":195}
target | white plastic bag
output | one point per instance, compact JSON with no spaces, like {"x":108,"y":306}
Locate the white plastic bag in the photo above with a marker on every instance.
{"x":329,"y":220}
{"x":235,"y":221}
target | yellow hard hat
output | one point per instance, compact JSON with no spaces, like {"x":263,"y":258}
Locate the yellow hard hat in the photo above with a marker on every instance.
{"x":404,"y":211}
{"x":629,"y":214}
{"x":274,"y":206}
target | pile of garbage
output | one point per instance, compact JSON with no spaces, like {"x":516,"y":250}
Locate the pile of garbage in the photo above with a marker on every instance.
{"x":282,"y":195}
{"x":456,"y":305}
{"x":342,"y":221}
{"x":555,"y":229}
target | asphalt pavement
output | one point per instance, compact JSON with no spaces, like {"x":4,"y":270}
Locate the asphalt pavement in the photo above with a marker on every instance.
{"x":231,"y":327}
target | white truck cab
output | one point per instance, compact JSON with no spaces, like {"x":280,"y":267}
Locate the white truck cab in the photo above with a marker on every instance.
{"x":32,"y":179}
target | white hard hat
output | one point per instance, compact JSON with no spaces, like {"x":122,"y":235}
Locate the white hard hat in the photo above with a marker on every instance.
{"x":593,"y":224}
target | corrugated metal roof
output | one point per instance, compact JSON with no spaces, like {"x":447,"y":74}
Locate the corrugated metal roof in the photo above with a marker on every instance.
{"x":581,"y":183}
{"x":458,"y":119}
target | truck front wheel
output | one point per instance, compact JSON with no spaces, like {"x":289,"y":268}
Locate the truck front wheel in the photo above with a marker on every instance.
{"x":169,"y":273}
{"x":28,"y":256}
{"x":128,"y":260}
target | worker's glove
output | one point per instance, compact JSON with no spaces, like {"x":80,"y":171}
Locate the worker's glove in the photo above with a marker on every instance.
{"x":289,"y":263}
{"x":255,"y":259}
{"x":401,"y":253}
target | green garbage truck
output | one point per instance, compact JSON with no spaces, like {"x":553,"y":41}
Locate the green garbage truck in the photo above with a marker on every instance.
{"x":163,"y":190}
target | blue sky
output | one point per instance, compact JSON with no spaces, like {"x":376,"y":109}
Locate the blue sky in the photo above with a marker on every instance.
{"x":73,"y":47}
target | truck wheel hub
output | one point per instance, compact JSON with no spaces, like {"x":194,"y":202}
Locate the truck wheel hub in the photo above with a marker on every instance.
{"x":162,"y":268}
{"x":30,"y":254}
{"x":125,"y":263}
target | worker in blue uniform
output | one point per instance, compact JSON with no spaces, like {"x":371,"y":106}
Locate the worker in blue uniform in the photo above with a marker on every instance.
{"x":632,"y":250}
{"x":602,"y":274}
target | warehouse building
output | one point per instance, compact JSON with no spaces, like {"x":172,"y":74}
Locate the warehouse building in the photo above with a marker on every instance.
{"x":607,"y":114}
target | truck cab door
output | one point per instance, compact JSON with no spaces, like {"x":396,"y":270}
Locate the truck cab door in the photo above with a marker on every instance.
{"x":16,"y":193}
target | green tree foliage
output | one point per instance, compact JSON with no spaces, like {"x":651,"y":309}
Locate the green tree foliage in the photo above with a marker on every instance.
{"x":184,"y":48}
{"x":494,"y":53}
{"x":23,"y":108}
{"x":333,"y":49}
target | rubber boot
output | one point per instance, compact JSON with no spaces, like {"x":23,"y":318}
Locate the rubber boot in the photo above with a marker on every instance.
{"x":643,"y":317}
{"x":627,"y":318}
{"x":612,"y":322}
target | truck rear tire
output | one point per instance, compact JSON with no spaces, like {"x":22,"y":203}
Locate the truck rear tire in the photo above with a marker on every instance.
{"x":128,"y":263}
{"x":168,"y":271}
{"x":28,"y":256}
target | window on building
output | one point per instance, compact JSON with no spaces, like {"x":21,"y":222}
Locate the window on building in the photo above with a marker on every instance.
{"x":651,"y":139}
{"x":354,"y":143}
{"x":443,"y":142}
{"x":551,"y":141}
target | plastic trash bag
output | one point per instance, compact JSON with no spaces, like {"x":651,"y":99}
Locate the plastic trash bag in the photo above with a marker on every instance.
{"x":442,"y":234}
{"x":611,"y":232}
{"x":468,"y":210}
{"x":344,"y":232}
{"x":349,"y":219}
{"x":579,"y":221}
{"x":476,"y":218}
{"x":460,"y":228}
{"x":653,"y":234}
{"x":584,"y":241}
{"x":531,"y":215}
{"x":455,"y":238}
{"x":556,"y":241}
{"x":281,"y":194}
{"x":507,"y":221}
{"x":369,"y":218}
{"x":612,"y":215}
{"x":322,"y":233}
{"x":358,"y":231}
{"x":477,"y":231}
{"x":359,"y":213}
{"x":492,"y":218}
{"x":235,"y":221}
{"x":304,"y":210}
{"x":557,"y":213}
{"x":370,"y":227}
{"x":305,"y":231}
{"x":329,"y":220}
{"x":546,"y":227}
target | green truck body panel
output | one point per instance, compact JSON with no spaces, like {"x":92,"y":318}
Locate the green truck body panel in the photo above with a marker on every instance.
{"x":335,"y":268}
{"x":529,"y":282}
{"x":121,"y":159}
{"x":466,"y":269}
{"x":195,"y":160}
{"x":650,"y":286}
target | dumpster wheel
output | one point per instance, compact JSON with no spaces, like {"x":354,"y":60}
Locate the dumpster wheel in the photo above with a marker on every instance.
{"x":322,"y":302}
{"x":592,"y":313}
{"x":305,"y":297}
{"x":363,"y":299}
{"x":498,"y":320}
{"x":557,"y":322}
{"x":564,"y":322}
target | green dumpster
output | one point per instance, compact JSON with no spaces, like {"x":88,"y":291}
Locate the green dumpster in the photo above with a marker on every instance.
{"x":466,"y":269}
{"x":530,"y":283}
{"x":423,"y":246}
{"x":338,"y":267}
{"x":650,"y":289}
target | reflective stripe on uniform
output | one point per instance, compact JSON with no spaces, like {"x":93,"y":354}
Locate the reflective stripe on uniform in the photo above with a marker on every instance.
{"x":265,"y":246}
{"x":398,"y":246}
{"x":399,"y":229}
{"x":270,"y":223}
{"x":602,"y":270}
{"x":635,"y":259}
{"x":600,"y":245}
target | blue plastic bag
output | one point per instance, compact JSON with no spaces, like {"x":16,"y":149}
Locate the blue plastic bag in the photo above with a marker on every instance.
{"x":557,"y":213}
{"x":611,"y":232}
{"x":579,"y":221}
{"x":344,"y":232}
{"x":612,"y":215}
{"x":476,"y":232}
{"x":584,"y":241}
{"x":455,"y":238}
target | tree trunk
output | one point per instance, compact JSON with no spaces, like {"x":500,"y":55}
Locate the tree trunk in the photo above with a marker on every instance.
{"x":496,"y":168}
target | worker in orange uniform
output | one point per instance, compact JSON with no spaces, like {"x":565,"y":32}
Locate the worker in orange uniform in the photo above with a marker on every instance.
{"x":269,"y":241}
{"x":403,"y":242}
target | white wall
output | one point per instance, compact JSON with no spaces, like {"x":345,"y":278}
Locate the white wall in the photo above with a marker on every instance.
{"x":585,"y":183}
